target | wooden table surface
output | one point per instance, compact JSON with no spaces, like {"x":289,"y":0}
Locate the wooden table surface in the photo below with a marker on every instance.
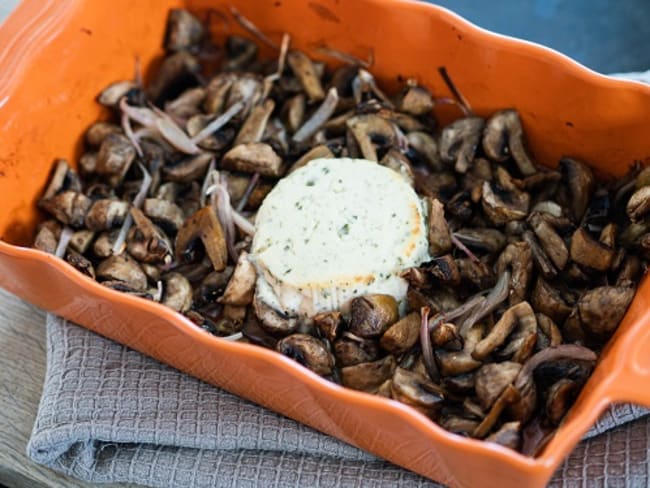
{"x":22,"y":369}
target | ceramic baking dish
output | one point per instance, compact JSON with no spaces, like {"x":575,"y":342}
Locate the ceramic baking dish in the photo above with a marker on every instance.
{"x":57,"y":54}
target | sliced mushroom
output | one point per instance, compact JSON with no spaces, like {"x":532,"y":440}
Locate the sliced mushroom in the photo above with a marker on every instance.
{"x":559,"y":399}
{"x":304,"y":70}
{"x":146,"y":242}
{"x":399,"y":163}
{"x":253,"y":127}
{"x":426,"y":148}
{"x":502,"y":206}
{"x":518,"y":258}
{"x":492,"y":379}
{"x":546,"y":299}
{"x":166,"y":214}
{"x":371,"y":315}
{"x":103,"y":245}
{"x":475,"y":273}
{"x":80,"y":263}
{"x":601,"y":309}
{"x":453,"y":363}
{"x":415,"y":99}
{"x":481,"y":239}
{"x":316,"y":152}
{"x":241,"y":287}
{"x":81,"y":240}
{"x":253,"y":158}
{"x":629,"y":271}
{"x":551,"y":242}
{"x":175,"y":74}
{"x":542,"y":261}
{"x":203,"y":225}
{"x":295,"y":112}
{"x":507,"y":398}
{"x":188,"y":169}
{"x":581,"y":183}
{"x":508,"y":435}
{"x":447,"y":336}
{"x":328,"y":324}
{"x":240,"y":52}
{"x":368,"y":376}
{"x":47,"y":236}
{"x":68,"y":207}
{"x":402,"y":335}
{"x":518,"y":315}
{"x":114,"y":158}
{"x":106,"y":213}
{"x":416,"y":390}
{"x":459,"y":140}
{"x":177,"y":292}
{"x":113,"y":93}
{"x":587,"y":251}
{"x":273,"y":321}
{"x":235,"y":314}
{"x":639,"y":204}
{"x":350,"y":350}
{"x":368,"y":130}
{"x":63,"y":179}
{"x":504,"y":137}
{"x":439,"y":235}
{"x":124,"y":269}
{"x":308,"y":351}
{"x":548,"y":333}
{"x":445,"y":270}
{"x":184,"y":31}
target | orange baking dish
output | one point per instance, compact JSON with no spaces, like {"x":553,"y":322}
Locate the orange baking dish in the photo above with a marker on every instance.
{"x":57,"y":54}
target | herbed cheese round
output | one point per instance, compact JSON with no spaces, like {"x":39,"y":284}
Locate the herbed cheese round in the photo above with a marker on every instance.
{"x":333,"y":230}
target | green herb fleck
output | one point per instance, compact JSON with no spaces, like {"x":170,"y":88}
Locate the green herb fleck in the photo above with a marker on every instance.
{"x":311,"y":183}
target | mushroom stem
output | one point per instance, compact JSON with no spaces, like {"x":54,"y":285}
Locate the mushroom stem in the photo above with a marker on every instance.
{"x":425,"y":342}
{"x":252,"y":28}
{"x":64,"y":240}
{"x":137,"y":203}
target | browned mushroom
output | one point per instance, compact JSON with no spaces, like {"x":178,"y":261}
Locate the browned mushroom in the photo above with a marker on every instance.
{"x":559,"y":398}
{"x":308,"y":351}
{"x":273,"y":321}
{"x":106,"y":213}
{"x":204,"y":226}
{"x":503,"y":137}
{"x":548,"y":333}
{"x":184,"y":31}
{"x":80,"y":263}
{"x":454,"y":363}
{"x":416,"y":390}
{"x":505,"y":399}
{"x":371,"y":315}
{"x":503,"y":206}
{"x":253,"y":127}
{"x":253,"y":158}
{"x":368,"y":376}
{"x":175,"y":74}
{"x":114,"y":158}
{"x":113,"y":93}
{"x":518,"y":258}
{"x":445,"y":270}
{"x":122,"y":268}
{"x":459,"y":140}
{"x":188,"y":169}
{"x":369,"y":129}
{"x":581,"y":183}
{"x":295,"y":112}
{"x":492,"y":379}
{"x":399,"y":163}
{"x":589,"y":252}
{"x":481,"y":239}
{"x":508,"y":435}
{"x":177,"y":292}
{"x":63,"y":179}
{"x":439,"y":235}
{"x":601,"y":309}
{"x":146,"y":242}
{"x":68,"y":207}
{"x":241,"y":287}
{"x":546,"y":299}
{"x":328,"y":324}
{"x":518,"y":315}
{"x":426,"y":148}
{"x":350,"y":350}
{"x":47,"y":236}
{"x":415,"y":99}
{"x":402,"y":335}
{"x":551,"y":242}
{"x":166,"y":214}
{"x":304,"y":70}
{"x":542,"y":261}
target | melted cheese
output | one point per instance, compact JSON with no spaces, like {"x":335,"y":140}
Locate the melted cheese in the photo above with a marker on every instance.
{"x":333,"y":230}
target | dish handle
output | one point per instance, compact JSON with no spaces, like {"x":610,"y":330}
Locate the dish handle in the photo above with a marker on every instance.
{"x":630,"y":381}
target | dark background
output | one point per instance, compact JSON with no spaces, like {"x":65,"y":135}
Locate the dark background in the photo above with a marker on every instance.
{"x":606,"y":35}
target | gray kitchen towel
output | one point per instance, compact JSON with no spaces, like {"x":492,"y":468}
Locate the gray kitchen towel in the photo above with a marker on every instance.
{"x":110,"y":414}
